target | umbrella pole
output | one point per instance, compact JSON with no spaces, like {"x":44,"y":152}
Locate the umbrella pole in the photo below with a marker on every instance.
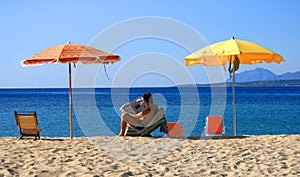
{"x":70,"y":102}
{"x":233,"y":103}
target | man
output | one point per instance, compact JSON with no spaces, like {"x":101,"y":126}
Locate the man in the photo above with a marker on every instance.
{"x":139,"y":119}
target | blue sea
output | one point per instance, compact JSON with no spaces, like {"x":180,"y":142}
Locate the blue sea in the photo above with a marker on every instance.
{"x":260,"y":110}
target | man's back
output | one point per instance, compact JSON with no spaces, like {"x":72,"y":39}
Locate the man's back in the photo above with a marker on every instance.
{"x":150,"y":115}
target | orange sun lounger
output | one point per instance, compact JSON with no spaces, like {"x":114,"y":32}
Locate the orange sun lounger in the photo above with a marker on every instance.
{"x":175,"y":129}
{"x":214,"y":126}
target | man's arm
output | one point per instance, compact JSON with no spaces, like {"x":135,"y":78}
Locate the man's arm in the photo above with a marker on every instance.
{"x":141,"y":114}
{"x":145,"y":112}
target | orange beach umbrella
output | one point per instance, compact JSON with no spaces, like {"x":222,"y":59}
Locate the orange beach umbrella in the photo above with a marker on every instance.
{"x":70,"y":53}
{"x":235,"y":52}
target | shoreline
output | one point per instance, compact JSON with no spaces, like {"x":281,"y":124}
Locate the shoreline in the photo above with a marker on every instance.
{"x":264,"y":155}
{"x":151,"y":137}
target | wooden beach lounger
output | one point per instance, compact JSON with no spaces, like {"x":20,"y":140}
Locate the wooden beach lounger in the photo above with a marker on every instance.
{"x":214,"y":126}
{"x":159,"y":120}
{"x":28,"y":124}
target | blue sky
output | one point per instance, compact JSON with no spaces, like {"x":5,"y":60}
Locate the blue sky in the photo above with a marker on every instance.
{"x":28,"y":27}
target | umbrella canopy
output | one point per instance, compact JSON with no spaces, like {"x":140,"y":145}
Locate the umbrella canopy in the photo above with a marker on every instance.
{"x":70,"y":53}
{"x":235,"y":52}
{"x":220,"y":53}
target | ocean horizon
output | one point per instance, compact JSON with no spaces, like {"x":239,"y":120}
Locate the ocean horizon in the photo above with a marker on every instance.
{"x":260,"y":110}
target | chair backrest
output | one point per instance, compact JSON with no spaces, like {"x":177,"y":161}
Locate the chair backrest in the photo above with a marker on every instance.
{"x":158,"y":115}
{"x":26,"y":120}
{"x":214,"y":124}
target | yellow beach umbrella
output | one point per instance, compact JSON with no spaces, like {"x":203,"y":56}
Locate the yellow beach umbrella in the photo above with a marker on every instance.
{"x":234,"y":52}
{"x":220,"y":53}
{"x":67,"y":54}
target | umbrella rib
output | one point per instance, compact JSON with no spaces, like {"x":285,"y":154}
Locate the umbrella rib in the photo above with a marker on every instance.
{"x":237,"y":46}
{"x":58,"y":58}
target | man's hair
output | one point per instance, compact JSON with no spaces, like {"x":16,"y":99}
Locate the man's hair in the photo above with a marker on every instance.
{"x":147,"y":97}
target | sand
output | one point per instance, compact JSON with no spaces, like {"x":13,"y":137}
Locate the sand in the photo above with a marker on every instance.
{"x":271,"y":155}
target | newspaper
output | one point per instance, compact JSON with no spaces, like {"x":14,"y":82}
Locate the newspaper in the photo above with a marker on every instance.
{"x":136,"y":106}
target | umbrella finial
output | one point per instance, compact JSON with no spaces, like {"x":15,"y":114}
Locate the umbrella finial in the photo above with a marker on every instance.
{"x":232,"y":37}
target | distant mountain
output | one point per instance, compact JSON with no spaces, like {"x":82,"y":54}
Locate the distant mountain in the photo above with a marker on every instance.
{"x":261,"y":74}
{"x":266,"y":83}
{"x":269,"y":83}
{"x":289,"y":76}
{"x":259,"y":77}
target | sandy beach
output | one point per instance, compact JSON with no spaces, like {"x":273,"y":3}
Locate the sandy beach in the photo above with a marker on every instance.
{"x":270,"y":155}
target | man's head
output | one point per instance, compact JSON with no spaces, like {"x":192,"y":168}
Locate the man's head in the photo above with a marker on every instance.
{"x":147,"y":97}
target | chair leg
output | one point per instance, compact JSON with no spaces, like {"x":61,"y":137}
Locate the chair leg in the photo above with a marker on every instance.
{"x":147,"y":135}
{"x":20,"y":137}
{"x":37,"y":137}
{"x":164,"y":128}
